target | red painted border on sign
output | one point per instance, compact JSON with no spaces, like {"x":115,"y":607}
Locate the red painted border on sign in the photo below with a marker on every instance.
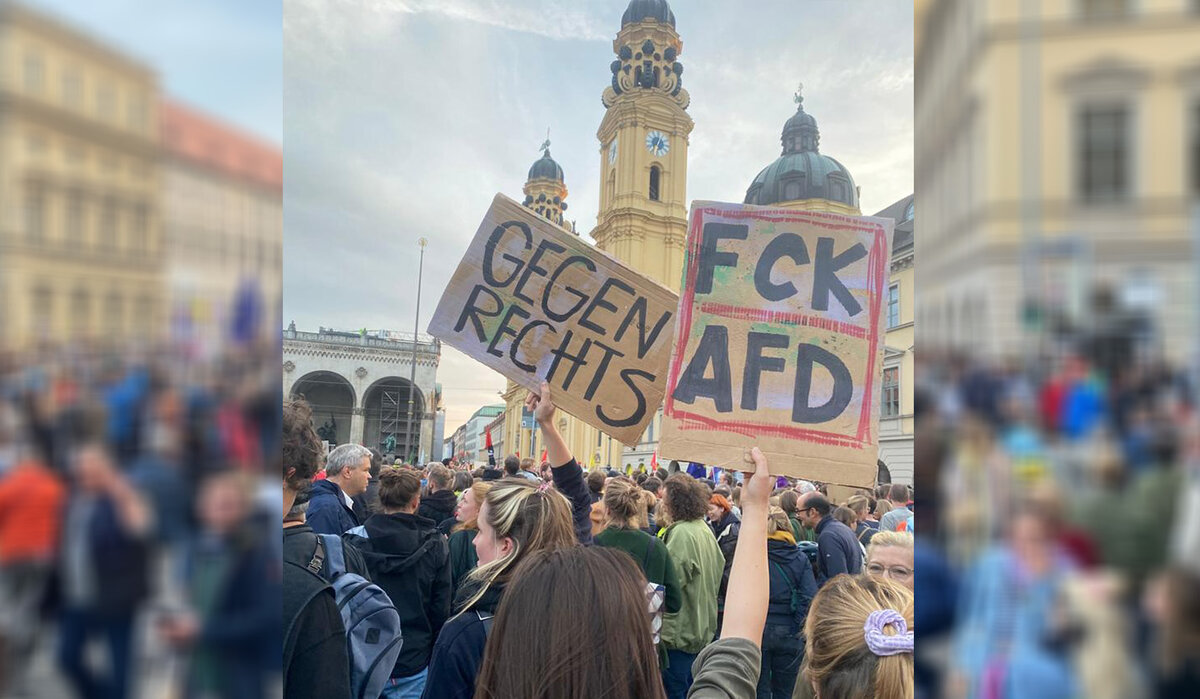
{"x":875,"y":280}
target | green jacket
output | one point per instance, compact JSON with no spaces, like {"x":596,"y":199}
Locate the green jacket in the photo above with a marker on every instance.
{"x":698,"y":564}
{"x":462,"y":555}
{"x":651,"y":554}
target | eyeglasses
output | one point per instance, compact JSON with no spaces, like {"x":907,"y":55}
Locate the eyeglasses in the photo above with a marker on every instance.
{"x":894,"y":572}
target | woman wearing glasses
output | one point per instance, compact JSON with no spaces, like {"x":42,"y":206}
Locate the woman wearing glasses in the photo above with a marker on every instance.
{"x":890,"y":555}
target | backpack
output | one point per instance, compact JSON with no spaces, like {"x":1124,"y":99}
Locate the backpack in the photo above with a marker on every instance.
{"x":373,"y":638}
{"x":797,"y":601}
{"x":813,"y":552}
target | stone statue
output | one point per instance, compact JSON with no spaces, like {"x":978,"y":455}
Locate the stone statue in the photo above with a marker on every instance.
{"x":328,"y":431}
{"x":389,"y":444}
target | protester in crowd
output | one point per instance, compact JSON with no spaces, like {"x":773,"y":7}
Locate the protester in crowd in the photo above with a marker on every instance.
{"x":725,"y":527}
{"x":439,"y":504}
{"x":1009,"y":605}
{"x":890,"y":556}
{"x":735,"y":500}
{"x":547,"y":472}
{"x":623,"y":507}
{"x":331,"y":505}
{"x":699,"y":564}
{"x":463,"y":558}
{"x":1172,"y":604}
{"x":524,"y":470}
{"x":366,"y":503}
{"x":300,"y":541}
{"x":462,"y":481}
{"x":792,"y":587}
{"x":515,"y":520}
{"x":104,"y":572}
{"x":846,"y":516}
{"x":789,"y":502}
{"x":858,"y":640}
{"x":158,"y":475}
{"x":838,"y":547}
{"x":536,"y":650}
{"x":595,"y":484}
{"x":866,"y":527}
{"x":315,"y":664}
{"x":231,"y":575}
{"x":898,"y":496}
{"x":647,"y":522}
{"x":410,"y":560}
{"x":31,"y":503}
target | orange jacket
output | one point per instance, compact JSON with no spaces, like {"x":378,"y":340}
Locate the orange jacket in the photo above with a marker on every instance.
{"x":31,"y":503}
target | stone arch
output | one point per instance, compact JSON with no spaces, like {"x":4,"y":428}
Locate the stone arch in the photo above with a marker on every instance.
{"x":332,"y":398}
{"x":385,"y":407}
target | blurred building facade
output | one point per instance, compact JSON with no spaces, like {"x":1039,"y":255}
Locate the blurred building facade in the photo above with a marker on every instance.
{"x":222,"y":225}
{"x":470,"y":439}
{"x":364,"y":388}
{"x":1060,"y":152}
{"x":81,"y":249}
{"x":899,"y":378}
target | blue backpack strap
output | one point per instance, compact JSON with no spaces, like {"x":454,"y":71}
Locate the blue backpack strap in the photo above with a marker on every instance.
{"x":333,"y":549}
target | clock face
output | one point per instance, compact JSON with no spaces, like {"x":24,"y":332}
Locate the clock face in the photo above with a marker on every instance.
{"x":612,"y":152}
{"x":657,"y":143}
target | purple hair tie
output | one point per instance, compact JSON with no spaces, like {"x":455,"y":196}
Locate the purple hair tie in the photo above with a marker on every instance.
{"x":882,"y":644}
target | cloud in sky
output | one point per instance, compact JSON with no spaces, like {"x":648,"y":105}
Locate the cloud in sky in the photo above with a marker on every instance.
{"x":403,"y":118}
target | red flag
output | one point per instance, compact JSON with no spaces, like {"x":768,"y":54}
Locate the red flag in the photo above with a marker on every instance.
{"x":654,"y":461}
{"x":491,"y":452}
{"x":544,"y":456}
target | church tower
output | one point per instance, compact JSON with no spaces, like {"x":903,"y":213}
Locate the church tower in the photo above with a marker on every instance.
{"x":643,"y":146}
{"x":546,"y":194}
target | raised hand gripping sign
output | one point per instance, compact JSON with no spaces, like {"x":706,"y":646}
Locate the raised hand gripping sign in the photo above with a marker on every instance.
{"x":534,"y":301}
{"x":779,"y":342}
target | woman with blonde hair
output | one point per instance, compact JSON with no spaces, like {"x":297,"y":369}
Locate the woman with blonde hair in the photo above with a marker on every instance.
{"x":515,"y":520}
{"x":462,"y":537}
{"x":624,"y":507}
{"x":859,"y":644}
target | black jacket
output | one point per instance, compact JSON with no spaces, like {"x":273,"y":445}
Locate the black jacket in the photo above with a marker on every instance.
{"x":315,"y":664}
{"x":438,"y":506}
{"x":839,"y":549}
{"x":410,"y":560}
{"x":727,"y":531}
{"x":568,"y":479}
{"x":458,"y":654}
{"x":793,"y":586}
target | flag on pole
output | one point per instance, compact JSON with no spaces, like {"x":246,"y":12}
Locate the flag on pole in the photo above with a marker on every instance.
{"x":490,"y":450}
{"x":654,"y":461}
{"x":545,"y":456}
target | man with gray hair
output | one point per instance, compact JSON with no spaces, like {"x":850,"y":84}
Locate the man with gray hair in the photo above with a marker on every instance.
{"x":331,"y":507}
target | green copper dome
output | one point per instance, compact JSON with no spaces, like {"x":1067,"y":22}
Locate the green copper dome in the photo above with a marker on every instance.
{"x":545,"y":168}
{"x":639,"y":10}
{"x":802,"y":171}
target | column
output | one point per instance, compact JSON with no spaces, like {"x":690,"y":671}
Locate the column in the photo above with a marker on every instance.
{"x":357,"y":425}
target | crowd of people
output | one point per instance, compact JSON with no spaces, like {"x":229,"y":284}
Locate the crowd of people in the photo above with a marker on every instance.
{"x":134,"y":515}
{"x":1057,"y":531}
{"x":541,"y":580}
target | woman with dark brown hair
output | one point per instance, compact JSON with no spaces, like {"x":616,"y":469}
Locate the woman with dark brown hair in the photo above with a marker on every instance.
{"x":539,"y":648}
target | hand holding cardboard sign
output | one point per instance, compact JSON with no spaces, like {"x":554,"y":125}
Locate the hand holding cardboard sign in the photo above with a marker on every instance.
{"x":759,"y":484}
{"x":541,"y":406}
{"x":543,"y":410}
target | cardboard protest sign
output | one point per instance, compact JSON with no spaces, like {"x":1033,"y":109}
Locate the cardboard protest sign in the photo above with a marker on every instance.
{"x":534,"y":301}
{"x":779,"y":342}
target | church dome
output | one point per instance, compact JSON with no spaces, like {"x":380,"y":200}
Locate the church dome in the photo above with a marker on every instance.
{"x":546,"y":168}
{"x":639,"y":10}
{"x":802,"y":171}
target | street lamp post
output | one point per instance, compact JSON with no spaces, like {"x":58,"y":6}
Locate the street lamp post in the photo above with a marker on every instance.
{"x":412,"y":374}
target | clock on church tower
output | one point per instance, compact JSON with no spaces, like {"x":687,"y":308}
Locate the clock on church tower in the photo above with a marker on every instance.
{"x":643,"y":146}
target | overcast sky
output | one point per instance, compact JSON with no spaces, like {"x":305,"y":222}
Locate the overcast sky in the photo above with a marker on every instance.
{"x":405,"y":117}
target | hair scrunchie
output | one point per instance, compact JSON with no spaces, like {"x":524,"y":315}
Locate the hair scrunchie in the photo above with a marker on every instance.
{"x":882,"y":644}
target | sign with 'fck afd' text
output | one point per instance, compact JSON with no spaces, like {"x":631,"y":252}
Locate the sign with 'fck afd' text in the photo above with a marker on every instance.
{"x":779,"y":341}
{"x":534,"y":301}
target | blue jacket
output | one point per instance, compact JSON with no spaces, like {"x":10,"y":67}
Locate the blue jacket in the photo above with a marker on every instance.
{"x":327,"y":511}
{"x":839,"y":549}
{"x":458,"y":653}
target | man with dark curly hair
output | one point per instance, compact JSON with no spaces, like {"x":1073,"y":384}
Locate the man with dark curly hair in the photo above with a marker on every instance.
{"x":314,"y":643}
{"x":699,"y":563}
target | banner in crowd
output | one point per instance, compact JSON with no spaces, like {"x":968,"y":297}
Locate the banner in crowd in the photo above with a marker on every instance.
{"x":779,"y":341}
{"x":532,"y":301}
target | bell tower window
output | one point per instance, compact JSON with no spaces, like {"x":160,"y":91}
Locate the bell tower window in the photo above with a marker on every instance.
{"x":655,"y":174}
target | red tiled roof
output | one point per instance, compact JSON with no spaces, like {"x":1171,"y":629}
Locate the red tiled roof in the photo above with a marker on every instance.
{"x":191,"y":135}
